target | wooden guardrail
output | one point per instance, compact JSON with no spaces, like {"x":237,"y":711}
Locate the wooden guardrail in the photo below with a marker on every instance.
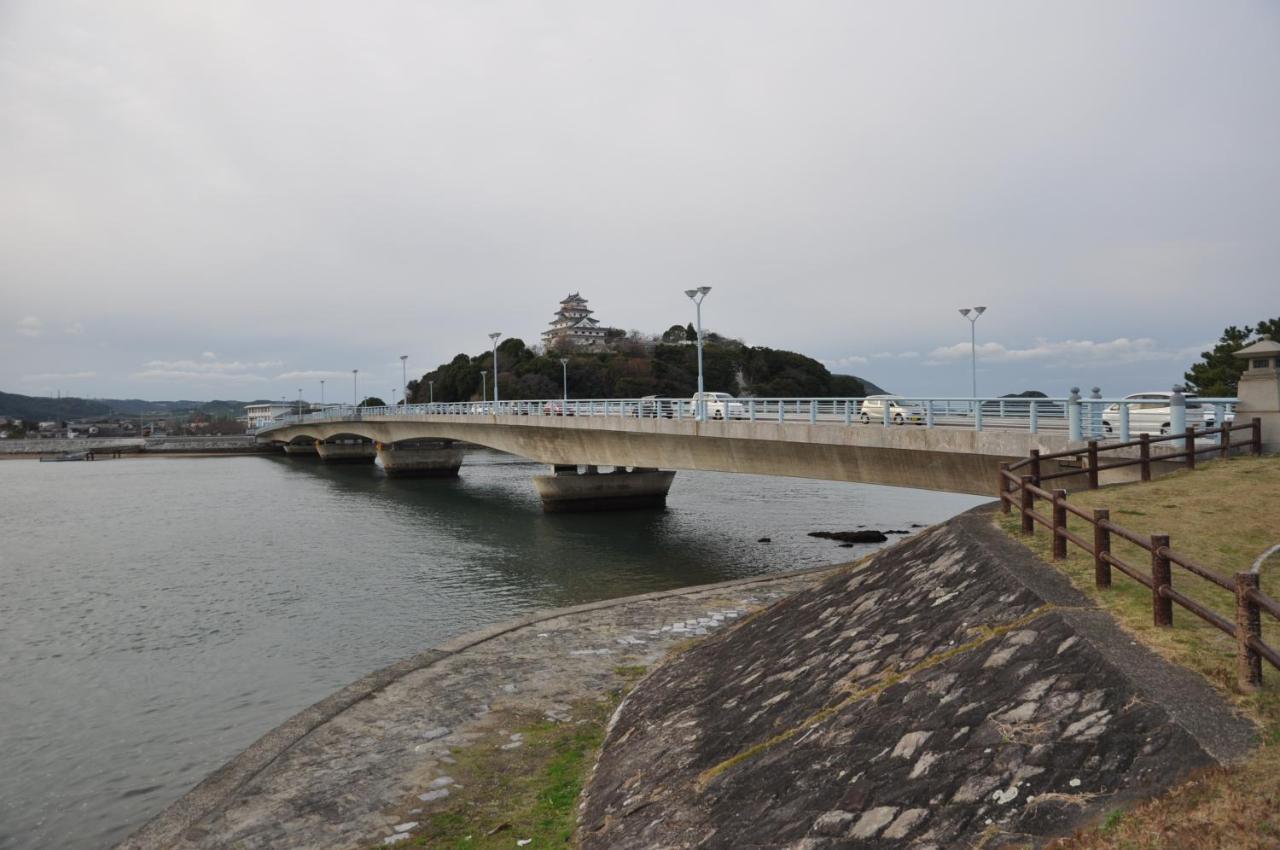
{"x":1021,"y":491}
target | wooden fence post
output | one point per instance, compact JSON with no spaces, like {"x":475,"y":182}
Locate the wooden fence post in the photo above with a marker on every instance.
{"x":1224,"y":439}
{"x":1144,"y":452}
{"x":1059,"y":522}
{"x":1256,"y":435}
{"x":1191,"y":448}
{"x":1093,"y":464}
{"x":1248,"y":624}
{"x":1004,"y":488}
{"x":1101,"y":548}
{"x":1028,"y":504}
{"x":1161,"y":576}
{"x":1035,"y":466}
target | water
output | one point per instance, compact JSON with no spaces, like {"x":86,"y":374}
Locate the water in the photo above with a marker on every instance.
{"x":159,"y":615}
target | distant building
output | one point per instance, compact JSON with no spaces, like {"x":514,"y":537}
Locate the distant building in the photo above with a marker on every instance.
{"x":573,"y":326}
{"x":262,"y":413}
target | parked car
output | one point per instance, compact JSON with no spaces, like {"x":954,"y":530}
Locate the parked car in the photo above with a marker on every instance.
{"x":900,"y":412}
{"x":1150,"y":413}
{"x":655,"y":406}
{"x":556,"y":408}
{"x":720,"y":405}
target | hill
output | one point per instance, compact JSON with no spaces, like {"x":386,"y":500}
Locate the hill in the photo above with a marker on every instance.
{"x":637,"y":367}
{"x":40,"y":408}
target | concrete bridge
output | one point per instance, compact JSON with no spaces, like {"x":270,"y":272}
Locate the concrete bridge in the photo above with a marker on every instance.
{"x":941,"y":448}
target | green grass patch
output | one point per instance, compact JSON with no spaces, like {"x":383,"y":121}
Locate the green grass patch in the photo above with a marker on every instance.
{"x":509,"y":795}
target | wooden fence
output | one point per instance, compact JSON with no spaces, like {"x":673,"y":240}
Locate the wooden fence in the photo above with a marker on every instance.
{"x":1020,"y":490}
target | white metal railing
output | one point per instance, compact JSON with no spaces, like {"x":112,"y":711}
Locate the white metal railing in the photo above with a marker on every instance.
{"x":1092,"y":418}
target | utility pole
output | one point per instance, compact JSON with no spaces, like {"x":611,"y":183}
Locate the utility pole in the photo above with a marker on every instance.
{"x":696,"y":296}
{"x":973,"y":341}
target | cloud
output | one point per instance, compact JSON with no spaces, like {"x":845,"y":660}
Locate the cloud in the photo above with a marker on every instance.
{"x":205,"y":370}
{"x":30,"y":326}
{"x":48,"y":377}
{"x":1121,"y":350}
{"x":313,"y":375}
{"x":209,"y":355}
{"x":845,"y":362}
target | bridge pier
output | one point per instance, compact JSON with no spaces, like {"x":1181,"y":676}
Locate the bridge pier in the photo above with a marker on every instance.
{"x":420,"y":459}
{"x":566,"y":490}
{"x":346,"y":450}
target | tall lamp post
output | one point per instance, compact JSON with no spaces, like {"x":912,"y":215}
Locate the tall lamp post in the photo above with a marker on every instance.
{"x":564,"y":369}
{"x":484,"y":391}
{"x":431,"y":391}
{"x":696,"y":296}
{"x":404,"y":380}
{"x":322,"y":393}
{"x":972,"y":315}
{"x":355,"y":392}
{"x":494,"y":337}
{"x":299,"y":404}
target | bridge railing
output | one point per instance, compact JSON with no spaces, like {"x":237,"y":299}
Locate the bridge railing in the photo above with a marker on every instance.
{"x":1094,"y":418}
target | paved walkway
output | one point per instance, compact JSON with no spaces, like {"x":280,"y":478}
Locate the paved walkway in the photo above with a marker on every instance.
{"x":335,"y":775}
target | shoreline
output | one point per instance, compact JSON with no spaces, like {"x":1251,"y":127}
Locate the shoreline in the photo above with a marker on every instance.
{"x":508,"y":664}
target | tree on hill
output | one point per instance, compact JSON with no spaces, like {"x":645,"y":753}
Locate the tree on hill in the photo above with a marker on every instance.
{"x":1217,"y":374}
{"x":372,"y":401}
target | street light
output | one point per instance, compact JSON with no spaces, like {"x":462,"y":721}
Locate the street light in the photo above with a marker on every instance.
{"x":322,"y":393}
{"x":973,"y":340}
{"x":696,"y":296}
{"x":404,"y":381}
{"x":484,"y":390}
{"x":299,"y":404}
{"x":431,"y":392}
{"x":355,"y":393}
{"x":564,"y":368}
{"x":494,"y":336}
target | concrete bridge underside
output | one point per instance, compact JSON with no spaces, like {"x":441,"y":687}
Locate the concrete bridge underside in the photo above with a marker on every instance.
{"x":951,"y":460}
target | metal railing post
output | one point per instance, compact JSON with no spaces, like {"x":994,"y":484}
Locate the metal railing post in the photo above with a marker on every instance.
{"x":751,"y":409}
{"x":1095,"y":412}
{"x":888,"y":409}
{"x":928,"y":413}
{"x":813,"y":411}
{"x":782,"y":411}
{"x":977,"y":415}
{"x":1073,"y":415}
{"x":848,"y":416}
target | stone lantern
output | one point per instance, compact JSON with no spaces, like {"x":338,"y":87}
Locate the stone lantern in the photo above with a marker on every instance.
{"x":1259,"y":390}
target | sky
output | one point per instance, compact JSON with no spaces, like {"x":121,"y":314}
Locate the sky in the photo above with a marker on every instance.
{"x":239,"y":199}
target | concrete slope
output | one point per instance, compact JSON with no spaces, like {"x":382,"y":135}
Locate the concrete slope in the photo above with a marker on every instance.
{"x":952,"y":690}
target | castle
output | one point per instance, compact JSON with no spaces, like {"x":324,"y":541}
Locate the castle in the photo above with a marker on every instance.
{"x":573,"y":327}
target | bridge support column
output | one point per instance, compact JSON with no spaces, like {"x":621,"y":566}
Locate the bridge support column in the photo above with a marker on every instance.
{"x":420,"y":459}
{"x":307,"y":449}
{"x":566,"y":490}
{"x":346,"y":450}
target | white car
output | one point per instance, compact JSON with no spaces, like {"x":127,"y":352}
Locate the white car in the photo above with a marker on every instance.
{"x":720,"y":405}
{"x":1150,"y":413}
{"x":900,"y":412}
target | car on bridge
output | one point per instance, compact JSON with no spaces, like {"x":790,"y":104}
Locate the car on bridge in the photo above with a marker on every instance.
{"x":1151,"y":413}
{"x":720,"y":405}
{"x":900,"y":411}
{"x":654,"y":406}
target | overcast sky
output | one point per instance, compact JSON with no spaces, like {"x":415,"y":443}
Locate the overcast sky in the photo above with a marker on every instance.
{"x":236,"y":199}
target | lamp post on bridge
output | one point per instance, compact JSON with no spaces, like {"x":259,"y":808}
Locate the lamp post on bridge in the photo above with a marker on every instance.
{"x":973,"y":341}
{"x":355,"y":392}
{"x":431,"y":392}
{"x":494,"y":336}
{"x":322,"y":393}
{"x":404,"y":380}
{"x":484,"y":390}
{"x":696,"y":296}
{"x":564,"y":369}
{"x":299,"y":404}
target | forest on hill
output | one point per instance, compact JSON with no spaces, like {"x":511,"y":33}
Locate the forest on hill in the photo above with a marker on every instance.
{"x":636,"y":367}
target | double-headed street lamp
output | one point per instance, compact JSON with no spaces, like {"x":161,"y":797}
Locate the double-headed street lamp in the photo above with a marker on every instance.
{"x":972,"y":315}
{"x":696,"y":296}
{"x":494,"y":336}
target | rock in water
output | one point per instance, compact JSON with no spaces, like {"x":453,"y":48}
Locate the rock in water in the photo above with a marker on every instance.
{"x":869,"y":536}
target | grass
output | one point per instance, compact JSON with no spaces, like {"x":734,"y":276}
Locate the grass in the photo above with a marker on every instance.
{"x":527,"y":793}
{"x":1224,"y":515}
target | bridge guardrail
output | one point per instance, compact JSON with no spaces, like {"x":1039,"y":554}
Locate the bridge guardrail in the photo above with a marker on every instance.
{"x":1100,"y":419}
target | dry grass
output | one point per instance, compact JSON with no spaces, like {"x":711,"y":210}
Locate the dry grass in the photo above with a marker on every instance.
{"x":1223,"y":515}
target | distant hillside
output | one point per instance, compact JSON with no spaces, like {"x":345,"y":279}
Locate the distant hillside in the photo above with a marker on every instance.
{"x":39,"y":408}
{"x":639,"y":367}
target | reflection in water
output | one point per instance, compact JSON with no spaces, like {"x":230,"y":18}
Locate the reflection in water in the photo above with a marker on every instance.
{"x":158,"y":615}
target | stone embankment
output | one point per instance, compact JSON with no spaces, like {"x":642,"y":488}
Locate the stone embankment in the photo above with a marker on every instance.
{"x":950,"y":692}
{"x":348,"y":771}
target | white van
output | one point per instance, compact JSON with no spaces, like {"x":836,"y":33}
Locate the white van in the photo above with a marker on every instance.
{"x":1150,"y":413}
{"x":900,"y":412}
{"x":720,"y":406}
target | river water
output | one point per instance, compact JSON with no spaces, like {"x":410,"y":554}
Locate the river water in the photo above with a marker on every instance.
{"x":159,"y":615}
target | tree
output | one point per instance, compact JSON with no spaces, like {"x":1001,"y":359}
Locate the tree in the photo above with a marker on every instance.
{"x":674,"y":335}
{"x":690,"y":333}
{"x":372,"y":401}
{"x":1218,"y":372}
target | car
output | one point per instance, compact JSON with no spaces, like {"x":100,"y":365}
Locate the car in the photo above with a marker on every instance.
{"x":720,"y":405}
{"x":654,"y":406}
{"x":1150,"y":413}
{"x":900,"y":412}
{"x":556,"y":408}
